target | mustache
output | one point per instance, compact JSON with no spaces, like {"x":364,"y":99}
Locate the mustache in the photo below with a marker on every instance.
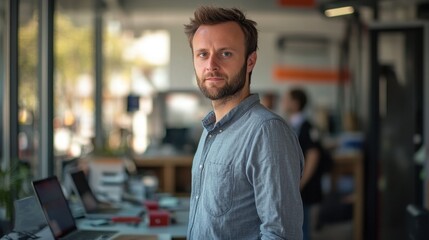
{"x":213,"y":75}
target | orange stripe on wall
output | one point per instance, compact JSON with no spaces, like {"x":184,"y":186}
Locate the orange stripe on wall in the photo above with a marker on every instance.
{"x":297,"y":3}
{"x":287,"y":73}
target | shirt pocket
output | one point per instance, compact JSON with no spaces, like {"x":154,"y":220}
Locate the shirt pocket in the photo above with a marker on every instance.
{"x":219,"y":184}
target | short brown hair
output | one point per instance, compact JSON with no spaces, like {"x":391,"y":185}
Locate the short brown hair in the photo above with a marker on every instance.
{"x":206,"y":15}
{"x":300,"y":96}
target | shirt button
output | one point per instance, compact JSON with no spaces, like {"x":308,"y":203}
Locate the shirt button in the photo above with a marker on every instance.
{"x":220,"y":131}
{"x":196,"y":197}
{"x":210,"y":136}
{"x":201,"y":166}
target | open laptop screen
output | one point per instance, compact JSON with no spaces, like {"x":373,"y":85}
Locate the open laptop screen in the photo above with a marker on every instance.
{"x":54,"y":206}
{"x":82,"y":187}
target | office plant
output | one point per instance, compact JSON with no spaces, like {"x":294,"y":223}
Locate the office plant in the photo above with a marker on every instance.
{"x":14,"y":184}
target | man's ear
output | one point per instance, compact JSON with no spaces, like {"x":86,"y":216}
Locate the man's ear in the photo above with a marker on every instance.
{"x":251,"y":61}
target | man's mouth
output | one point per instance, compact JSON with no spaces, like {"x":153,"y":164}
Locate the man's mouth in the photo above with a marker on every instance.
{"x":214,"y":78}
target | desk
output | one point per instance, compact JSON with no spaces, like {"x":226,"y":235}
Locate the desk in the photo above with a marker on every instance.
{"x":46,"y":233}
{"x":352,"y":164}
{"x":175,"y":231}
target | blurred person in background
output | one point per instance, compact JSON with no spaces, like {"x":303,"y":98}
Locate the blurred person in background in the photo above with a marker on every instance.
{"x":247,"y":168}
{"x":294,"y":104}
{"x":269,"y":100}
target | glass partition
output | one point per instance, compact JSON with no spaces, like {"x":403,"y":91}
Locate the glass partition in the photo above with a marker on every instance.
{"x":28,"y":113}
{"x":74,"y":81}
{"x":136,"y":68}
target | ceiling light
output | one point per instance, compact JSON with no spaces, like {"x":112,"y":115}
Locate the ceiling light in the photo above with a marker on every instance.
{"x":334,"y":12}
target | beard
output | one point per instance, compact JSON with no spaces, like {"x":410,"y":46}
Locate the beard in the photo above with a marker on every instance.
{"x":232,"y":87}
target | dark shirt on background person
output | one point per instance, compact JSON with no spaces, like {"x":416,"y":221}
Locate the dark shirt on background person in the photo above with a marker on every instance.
{"x":294,"y":104}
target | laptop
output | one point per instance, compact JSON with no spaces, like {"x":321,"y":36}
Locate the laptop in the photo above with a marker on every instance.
{"x":58,"y":214}
{"x":95,"y":208}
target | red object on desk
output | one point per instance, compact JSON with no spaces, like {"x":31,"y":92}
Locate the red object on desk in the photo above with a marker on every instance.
{"x":126,"y":219}
{"x":159,"y":218}
{"x":151,"y":205}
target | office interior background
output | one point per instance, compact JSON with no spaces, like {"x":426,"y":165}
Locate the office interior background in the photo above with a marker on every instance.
{"x":82,"y":80}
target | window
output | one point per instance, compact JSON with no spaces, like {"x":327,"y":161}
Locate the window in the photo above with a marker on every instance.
{"x":74,"y":82}
{"x":136,"y":70}
{"x":28,"y":81}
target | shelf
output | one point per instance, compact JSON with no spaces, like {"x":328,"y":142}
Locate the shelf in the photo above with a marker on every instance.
{"x":352,"y":164}
{"x":173,"y":172}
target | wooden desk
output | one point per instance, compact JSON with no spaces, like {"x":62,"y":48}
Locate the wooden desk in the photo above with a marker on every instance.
{"x":173,"y":172}
{"x":352,"y":164}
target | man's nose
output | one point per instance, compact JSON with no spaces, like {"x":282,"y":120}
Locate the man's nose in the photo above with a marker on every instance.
{"x":212,"y":64}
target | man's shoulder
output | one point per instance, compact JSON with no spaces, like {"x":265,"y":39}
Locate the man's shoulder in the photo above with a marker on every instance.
{"x":261,"y":116}
{"x":264,"y":114}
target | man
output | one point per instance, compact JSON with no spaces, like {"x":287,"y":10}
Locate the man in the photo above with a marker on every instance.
{"x":294,"y":104}
{"x":247,"y":168}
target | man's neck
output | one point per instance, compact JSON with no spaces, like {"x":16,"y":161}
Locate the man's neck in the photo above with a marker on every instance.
{"x":223,"y":106}
{"x":296,"y":118}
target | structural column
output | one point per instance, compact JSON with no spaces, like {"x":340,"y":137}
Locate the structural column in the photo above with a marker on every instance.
{"x":46,"y":88}
{"x":10,"y":91}
{"x":98,"y":46}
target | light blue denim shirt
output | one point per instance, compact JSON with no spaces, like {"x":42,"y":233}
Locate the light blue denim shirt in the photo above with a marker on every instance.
{"x":245,"y":177}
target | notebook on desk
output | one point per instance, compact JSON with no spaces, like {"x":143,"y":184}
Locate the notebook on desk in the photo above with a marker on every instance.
{"x":58,"y":214}
{"x":92,"y":206}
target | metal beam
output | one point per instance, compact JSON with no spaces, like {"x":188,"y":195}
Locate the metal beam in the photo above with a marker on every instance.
{"x":426,"y":107}
{"x":4,"y":73}
{"x":98,"y":46}
{"x":46,"y":86}
{"x":372,"y":144}
{"x":10,"y":111}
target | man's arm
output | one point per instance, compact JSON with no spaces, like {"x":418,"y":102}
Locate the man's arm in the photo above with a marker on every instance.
{"x":311,"y":164}
{"x":310,"y":138}
{"x":274,"y":169}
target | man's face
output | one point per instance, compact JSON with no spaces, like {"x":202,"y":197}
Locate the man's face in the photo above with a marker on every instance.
{"x":290,"y":105}
{"x":219,"y":60}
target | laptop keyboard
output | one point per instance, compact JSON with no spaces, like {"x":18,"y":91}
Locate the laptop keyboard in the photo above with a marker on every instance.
{"x":89,"y":235}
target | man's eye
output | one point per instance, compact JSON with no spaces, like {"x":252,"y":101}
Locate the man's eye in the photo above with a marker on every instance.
{"x":202,"y":54}
{"x":226,"y":54}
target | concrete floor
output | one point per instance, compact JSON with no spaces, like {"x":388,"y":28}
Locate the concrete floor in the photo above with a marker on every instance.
{"x":330,"y":231}
{"x":337,"y":231}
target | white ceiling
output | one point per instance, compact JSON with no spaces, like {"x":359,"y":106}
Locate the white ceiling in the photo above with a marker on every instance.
{"x":140,"y":14}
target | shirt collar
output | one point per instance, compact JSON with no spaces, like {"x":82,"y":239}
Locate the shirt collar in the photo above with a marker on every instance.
{"x":209,"y":122}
